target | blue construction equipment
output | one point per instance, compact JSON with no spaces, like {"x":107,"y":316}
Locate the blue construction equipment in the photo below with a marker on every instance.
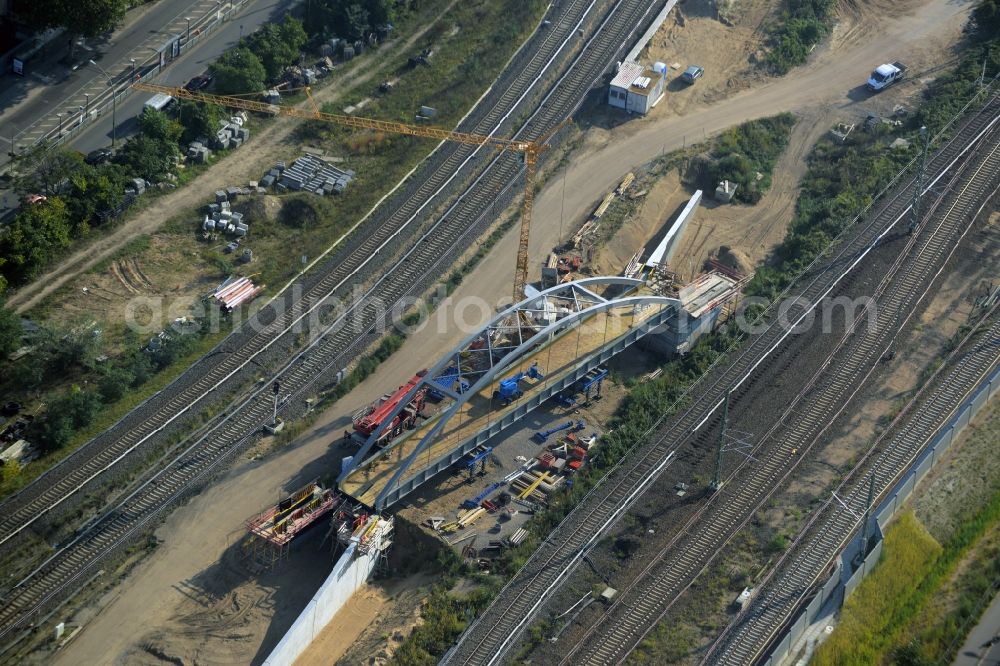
{"x":474,"y":502}
{"x":565,"y":400}
{"x":510,"y":388}
{"x":447,"y":379}
{"x":478,"y":458}
{"x":593,"y":378}
{"x":543,"y":435}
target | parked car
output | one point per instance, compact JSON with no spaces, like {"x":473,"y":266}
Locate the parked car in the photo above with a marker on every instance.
{"x":199,"y":82}
{"x":32,"y":199}
{"x":99,"y":156}
{"x":692,"y":74}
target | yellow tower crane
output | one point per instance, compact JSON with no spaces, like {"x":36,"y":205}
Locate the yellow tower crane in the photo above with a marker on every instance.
{"x":530,"y":149}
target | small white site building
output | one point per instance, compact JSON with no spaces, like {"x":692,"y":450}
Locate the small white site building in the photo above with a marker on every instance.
{"x":637,"y":88}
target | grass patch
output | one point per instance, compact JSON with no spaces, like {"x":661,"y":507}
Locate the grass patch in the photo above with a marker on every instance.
{"x":885,"y":619}
{"x":801,"y":26}
{"x":867,"y":618}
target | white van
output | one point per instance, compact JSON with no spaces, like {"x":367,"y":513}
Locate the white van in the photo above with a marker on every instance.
{"x":159,"y":101}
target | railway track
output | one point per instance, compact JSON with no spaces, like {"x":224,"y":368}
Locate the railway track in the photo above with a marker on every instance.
{"x":833,"y":525}
{"x":755,"y":629}
{"x":775,"y":455}
{"x":90,"y":462}
{"x":490,"y":637}
{"x":50,"y":584}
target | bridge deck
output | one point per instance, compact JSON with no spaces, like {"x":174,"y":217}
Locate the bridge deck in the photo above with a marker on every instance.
{"x":558,"y":359}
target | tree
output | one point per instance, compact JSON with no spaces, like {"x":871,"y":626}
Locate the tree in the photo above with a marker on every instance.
{"x":200,"y":121}
{"x":88,"y":19}
{"x":37,"y":233}
{"x":158,"y":125}
{"x":277,"y":45}
{"x":987,"y":16}
{"x":114,"y":383}
{"x":63,"y":416}
{"x":238,"y":71}
{"x":43,"y":169}
{"x":94,"y":191}
{"x":146,"y":157}
{"x":343,"y":18}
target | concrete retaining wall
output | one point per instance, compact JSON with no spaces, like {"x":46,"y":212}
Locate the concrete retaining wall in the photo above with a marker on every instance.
{"x":349,"y":573}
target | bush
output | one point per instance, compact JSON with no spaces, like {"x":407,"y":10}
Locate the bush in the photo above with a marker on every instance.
{"x":803,"y":24}
{"x":10,"y":331}
{"x":158,"y":126}
{"x":63,"y":416}
{"x":199,"y":120}
{"x":743,"y":151}
{"x":277,"y":45}
{"x":299,"y":211}
{"x":238,"y":71}
{"x":147,"y":158}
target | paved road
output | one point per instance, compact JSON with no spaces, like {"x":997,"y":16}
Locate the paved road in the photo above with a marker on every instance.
{"x":256,"y":13}
{"x":55,"y":88}
{"x":49,"y":83}
{"x":977,"y":650}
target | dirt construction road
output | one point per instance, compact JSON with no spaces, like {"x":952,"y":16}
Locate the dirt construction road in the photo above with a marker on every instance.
{"x":157,"y":595}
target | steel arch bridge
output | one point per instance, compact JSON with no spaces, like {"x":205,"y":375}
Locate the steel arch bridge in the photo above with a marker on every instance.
{"x":565,"y":331}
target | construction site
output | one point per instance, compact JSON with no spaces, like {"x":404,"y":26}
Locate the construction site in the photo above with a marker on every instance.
{"x":594,"y":282}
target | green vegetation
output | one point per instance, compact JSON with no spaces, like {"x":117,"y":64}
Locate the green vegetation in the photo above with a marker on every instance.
{"x":885,"y":618}
{"x":349,"y":19}
{"x":907,"y":555}
{"x":85,"y":19}
{"x":742,"y":152}
{"x":802,"y":25}
{"x":843,"y":178}
{"x":260,"y":58}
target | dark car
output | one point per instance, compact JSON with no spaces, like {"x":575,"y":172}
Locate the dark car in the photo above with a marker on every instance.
{"x":199,"y":82}
{"x":692,"y":74}
{"x":99,"y":156}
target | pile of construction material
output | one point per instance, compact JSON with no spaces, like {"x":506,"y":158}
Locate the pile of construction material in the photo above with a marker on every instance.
{"x":198,"y":152}
{"x":231,"y":133}
{"x":525,"y":490}
{"x":234,"y":292}
{"x":590,"y":227}
{"x":312,"y":174}
{"x":220,"y":216}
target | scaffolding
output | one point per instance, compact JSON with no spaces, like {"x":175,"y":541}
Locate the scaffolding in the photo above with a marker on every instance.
{"x":271,"y":532}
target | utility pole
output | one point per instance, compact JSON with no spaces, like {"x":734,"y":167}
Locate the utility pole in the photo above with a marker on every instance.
{"x":717,"y":476}
{"x":915,"y":207}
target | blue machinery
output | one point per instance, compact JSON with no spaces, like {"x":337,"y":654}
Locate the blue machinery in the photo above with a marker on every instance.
{"x":510,"y":388}
{"x":542,"y":435}
{"x":379,"y":479}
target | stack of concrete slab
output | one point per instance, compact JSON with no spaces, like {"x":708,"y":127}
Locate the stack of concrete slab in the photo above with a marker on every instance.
{"x":198,"y":152}
{"x":312,"y":174}
{"x":230,"y":135}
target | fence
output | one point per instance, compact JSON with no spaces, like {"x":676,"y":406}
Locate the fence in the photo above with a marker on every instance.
{"x":845,"y":577}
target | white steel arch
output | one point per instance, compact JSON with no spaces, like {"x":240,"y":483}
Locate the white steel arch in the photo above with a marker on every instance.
{"x":556,"y":310}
